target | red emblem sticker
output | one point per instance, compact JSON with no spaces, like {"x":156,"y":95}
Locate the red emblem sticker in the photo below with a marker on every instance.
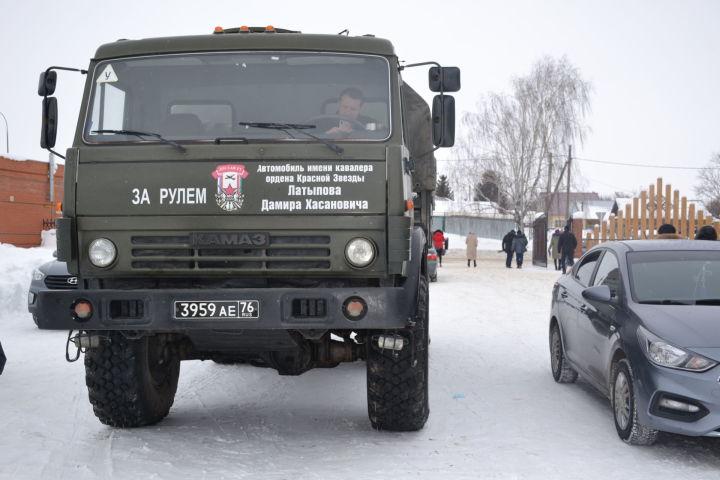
{"x":229,"y":178}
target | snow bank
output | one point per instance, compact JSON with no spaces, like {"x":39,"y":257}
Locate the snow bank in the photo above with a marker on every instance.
{"x":16,"y":265}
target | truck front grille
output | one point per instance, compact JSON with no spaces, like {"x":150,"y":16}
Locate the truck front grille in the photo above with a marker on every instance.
{"x":283,"y":252}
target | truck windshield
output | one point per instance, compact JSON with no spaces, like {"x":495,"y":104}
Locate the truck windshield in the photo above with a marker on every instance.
{"x":219,"y":96}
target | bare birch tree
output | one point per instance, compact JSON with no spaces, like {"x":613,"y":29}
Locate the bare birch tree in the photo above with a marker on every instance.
{"x":708,"y":188}
{"x":515,"y":134}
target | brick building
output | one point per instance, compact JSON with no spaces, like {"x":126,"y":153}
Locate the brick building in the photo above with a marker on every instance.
{"x":26,"y":208}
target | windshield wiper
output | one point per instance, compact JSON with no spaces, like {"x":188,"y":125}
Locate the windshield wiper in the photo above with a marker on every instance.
{"x":143,"y":134}
{"x":300,"y":127}
{"x":665,"y":302}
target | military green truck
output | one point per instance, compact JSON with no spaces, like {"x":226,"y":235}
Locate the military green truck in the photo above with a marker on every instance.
{"x":252,"y":195}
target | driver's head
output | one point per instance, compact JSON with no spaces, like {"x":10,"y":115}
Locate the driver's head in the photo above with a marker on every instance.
{"x":350,"y":103}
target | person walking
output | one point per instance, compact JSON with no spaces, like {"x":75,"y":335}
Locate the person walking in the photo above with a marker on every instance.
{"x":507,"y":247}
{"x":519,"y":246}
{"x":471,"y":249}
{"x":567,"y":244}
{"x":438,"y":240}
{"x":554,"y":249}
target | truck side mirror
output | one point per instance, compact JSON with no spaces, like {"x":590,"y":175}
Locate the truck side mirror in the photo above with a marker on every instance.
{"x":48,"y":81}
{"x":48,"y":132}
{"x":447,"y":81}
{"x":443,"y":121}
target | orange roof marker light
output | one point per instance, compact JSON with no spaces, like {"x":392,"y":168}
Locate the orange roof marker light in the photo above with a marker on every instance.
{"x":219,"y":30}
{"x":244,"y":29}
{"x":270,"y":29}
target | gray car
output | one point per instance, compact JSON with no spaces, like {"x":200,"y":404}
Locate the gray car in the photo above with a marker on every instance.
{"x":640,"y":321}
{"x":52,"y":275}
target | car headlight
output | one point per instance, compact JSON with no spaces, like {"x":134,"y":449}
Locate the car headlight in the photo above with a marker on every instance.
{"x":102,"y":252}
{"x":360,"y":252}
{"x":37,"y":275}
{"x":661,"y":353}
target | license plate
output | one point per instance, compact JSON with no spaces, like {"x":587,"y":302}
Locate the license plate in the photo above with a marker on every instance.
{"x":217,"y":309}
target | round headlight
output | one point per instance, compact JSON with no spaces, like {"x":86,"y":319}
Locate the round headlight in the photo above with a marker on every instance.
{"x":360,"y":252}
{"x":102,"y":252}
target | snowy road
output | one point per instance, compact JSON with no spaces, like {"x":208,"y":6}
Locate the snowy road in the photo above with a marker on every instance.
{"x":495,"y":410}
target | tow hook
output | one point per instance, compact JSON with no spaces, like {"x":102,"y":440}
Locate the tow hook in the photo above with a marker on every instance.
{"x":82,"y":341}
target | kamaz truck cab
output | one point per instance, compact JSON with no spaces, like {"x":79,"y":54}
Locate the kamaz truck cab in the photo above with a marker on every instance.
{"x":253,"y":195}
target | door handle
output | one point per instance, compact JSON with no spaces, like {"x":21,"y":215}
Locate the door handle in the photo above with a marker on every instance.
{"x":564,"y":294}
{"x":583,"y":308}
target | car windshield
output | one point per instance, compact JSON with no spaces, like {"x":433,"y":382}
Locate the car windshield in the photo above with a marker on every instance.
{"x":675,"y":277}
{"x":225,"y":96}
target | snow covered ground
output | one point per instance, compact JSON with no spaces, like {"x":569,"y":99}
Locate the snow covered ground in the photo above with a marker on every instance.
{"x":496,"y":412}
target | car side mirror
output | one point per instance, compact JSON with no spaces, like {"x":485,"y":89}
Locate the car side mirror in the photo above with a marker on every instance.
{"x":443,"y":121}
{"x":445,"y":79}
{"x":48,"y":81}
{"x":599,"y":293}
{"x":48,"y":132}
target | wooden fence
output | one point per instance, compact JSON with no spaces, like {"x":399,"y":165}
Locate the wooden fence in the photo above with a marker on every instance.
{"x":653,"y":208}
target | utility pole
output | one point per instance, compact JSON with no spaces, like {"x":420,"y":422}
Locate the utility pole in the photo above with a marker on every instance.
{"x":567,"y":197}
{"x":548,"y":195}
{"x":51,"y":174}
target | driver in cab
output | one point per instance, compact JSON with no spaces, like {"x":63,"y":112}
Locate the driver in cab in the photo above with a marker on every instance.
{"x":349,"y":105}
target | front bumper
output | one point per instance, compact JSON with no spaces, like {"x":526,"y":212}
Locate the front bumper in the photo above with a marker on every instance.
{"x":700,"y":389}
{"x":387,"y":308}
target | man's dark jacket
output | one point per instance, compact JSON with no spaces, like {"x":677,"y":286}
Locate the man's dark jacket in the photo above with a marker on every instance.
{"x":567,"y":243}
{"x":507,"y":242}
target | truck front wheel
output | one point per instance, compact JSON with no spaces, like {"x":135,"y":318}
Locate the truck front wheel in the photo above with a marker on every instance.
{"x":132,"y":382}
{"x":397,"y":380}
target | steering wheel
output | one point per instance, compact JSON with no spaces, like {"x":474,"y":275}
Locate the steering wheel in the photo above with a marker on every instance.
{"x":326,"y":122}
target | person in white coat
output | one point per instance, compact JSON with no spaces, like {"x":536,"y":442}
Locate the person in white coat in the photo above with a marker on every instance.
{"x":471,"y":243}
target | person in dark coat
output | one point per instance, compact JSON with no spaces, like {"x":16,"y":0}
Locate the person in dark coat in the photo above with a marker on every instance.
{"x":507,"y":247}
{"x":519,"y":246}
{"x":706,"y":232}
{"x":567,"y":244}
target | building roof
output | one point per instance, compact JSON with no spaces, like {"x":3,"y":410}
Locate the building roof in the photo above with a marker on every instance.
{"x":557,"y":207}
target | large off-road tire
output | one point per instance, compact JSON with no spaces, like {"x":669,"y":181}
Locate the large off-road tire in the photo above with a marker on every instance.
{"x":132,"y":382}
{"x":561,"y":371}
{"x":397,"y":381}
{"x":625,"y":407}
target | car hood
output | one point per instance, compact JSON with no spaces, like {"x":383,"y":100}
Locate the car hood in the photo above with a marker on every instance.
{"x":686,"y":326}
{"x":54,"y":267}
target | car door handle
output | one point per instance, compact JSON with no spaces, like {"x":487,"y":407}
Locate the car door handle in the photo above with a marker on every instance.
{"x":583,"y":308}
{"x":564,"y":294}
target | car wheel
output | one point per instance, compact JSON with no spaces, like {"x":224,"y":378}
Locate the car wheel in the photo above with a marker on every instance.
{"x":625,"y":408}
{"x":562,"y":372}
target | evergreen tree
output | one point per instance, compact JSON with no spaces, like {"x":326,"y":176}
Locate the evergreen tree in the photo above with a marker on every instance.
{"x":443,"y":188}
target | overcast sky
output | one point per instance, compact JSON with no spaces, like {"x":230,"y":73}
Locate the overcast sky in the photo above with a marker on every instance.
{"x":653,"y":64}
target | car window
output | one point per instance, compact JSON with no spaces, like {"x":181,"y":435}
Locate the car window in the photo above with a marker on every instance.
{"x":608,"y":273}
{"x":675,"y":277}
{"x":585,"y":268}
